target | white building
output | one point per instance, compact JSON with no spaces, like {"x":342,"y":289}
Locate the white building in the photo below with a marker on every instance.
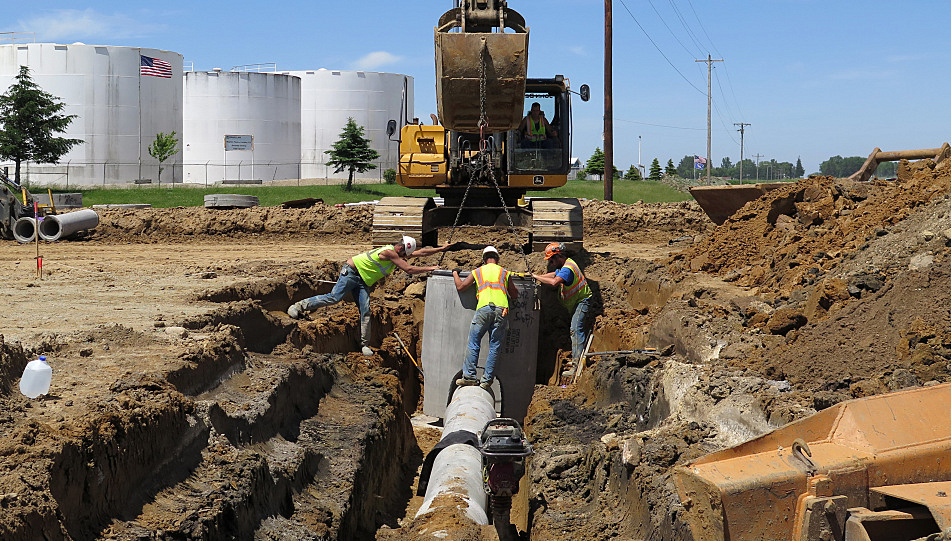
{"x":330,"y":97}
{"x":241,"y":126}
{"x":122,"y":98}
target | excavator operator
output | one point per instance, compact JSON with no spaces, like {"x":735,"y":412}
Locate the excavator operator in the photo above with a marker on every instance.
{"x":535,"y":131}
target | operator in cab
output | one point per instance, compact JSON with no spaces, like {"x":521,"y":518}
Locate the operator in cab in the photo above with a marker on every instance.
{"x":535,"y":131}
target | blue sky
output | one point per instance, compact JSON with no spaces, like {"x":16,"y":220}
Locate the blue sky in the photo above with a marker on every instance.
{"x":813,"y":78}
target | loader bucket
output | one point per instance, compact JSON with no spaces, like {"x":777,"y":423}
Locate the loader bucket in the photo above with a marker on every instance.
{"x":459,"y":61}
{"x":810,"y":475}
{"x":721,"y":202}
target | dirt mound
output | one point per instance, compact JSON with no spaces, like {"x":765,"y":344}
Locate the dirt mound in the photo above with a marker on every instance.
{"x":608,"y":221}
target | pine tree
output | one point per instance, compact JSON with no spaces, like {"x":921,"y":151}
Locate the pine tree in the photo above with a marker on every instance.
{"x":30,"y":119}
{"x":352,"y":152}
{"x":799,"y":170}
{"x":656,"y":173}
{"x":595,"y":164}
{"x":670,"y":170}
{"x":162,"y":149}
{"x":633,"y":173}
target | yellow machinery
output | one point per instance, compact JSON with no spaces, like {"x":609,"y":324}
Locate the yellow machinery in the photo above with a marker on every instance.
{"x":476,"y":159}
{"x":871,"y":469}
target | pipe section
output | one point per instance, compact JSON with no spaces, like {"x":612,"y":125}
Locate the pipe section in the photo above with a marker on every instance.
{"x":60,"y":226}
{"x":24,"y":230}
{"x":457,"y":470}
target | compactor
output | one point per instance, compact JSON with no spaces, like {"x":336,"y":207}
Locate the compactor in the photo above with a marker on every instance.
{"x":474,"y":156}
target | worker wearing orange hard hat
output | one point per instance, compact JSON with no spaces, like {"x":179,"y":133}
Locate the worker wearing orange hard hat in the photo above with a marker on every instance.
{"x":360,"y":273}
{"x":574,"y":293}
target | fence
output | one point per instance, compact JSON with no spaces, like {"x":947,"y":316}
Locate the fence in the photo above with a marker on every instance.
{"x":76,"y":173}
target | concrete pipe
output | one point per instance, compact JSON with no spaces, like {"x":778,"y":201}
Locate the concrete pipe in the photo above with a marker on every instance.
{"x":457,"y":470}
{"x":61,"y":226}
{"x":24,"y":230}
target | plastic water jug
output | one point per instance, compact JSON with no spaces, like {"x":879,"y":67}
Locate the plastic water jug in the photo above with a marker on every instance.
{"x":36,"y":378}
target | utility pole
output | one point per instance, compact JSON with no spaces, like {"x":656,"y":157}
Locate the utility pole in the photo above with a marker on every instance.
{"x":608,"y":103}
{"x":742,"y":125}
{"x":757,"y":156}
{"x":709,"y":62}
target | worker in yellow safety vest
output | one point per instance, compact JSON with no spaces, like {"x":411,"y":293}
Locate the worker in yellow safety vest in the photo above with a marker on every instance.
{"x":494,"y":288}
{"x":360,"y":273}
{"x":574,"y":293}
{"x":535,"y":130}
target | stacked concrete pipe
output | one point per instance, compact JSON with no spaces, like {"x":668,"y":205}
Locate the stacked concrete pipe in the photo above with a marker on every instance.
{"x":457,"y":470}
{"x":24,"y":230}
{"x":61,"y":226}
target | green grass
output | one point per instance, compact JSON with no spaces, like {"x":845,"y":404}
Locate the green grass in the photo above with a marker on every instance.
{"x":179,"y":196}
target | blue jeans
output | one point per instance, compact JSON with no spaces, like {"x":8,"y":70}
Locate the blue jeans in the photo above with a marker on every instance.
{"x":348,"y":282}
{"x":486,"y":319}
{"x":579,"y":327}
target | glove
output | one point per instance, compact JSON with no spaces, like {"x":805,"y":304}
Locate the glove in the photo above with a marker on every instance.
{"x":457,"y":270}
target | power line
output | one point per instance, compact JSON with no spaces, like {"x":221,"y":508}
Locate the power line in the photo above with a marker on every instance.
{"x":657,"y":125}
{"x":659,"y":16}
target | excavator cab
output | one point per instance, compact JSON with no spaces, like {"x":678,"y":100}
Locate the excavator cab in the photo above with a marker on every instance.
{"x":535,"y":162}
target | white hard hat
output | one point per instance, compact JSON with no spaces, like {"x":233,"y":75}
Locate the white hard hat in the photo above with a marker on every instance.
{"x":409,"y":245}
{"x":489,"y":250}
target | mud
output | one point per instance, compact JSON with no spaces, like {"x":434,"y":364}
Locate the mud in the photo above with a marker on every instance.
{"x":186,"y":404}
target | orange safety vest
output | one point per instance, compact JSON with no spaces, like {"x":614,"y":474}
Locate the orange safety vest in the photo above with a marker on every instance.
{"x":577,"y":290}
{"x":491,"y":281}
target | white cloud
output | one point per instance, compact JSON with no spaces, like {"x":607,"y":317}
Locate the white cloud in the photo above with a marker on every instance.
{"x":376,"y":60}
{"x":578,"y":50}
{"x":73,"y":24}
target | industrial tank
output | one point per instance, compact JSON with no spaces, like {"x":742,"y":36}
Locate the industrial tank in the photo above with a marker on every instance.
{"x":241,"y":127}
{"x":329,"y":97}
{"x":121,"y":96}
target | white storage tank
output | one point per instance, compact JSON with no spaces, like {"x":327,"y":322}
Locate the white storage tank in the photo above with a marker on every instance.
{"x":121,"y":96}
{"x":329,"y":97}
{"x":242,"y":127}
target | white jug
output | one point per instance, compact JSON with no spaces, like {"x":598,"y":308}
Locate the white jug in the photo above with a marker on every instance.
{"x":36,"y":378}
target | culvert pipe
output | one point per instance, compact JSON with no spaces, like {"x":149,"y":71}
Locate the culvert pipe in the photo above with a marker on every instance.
{"x":457,"y":468}
{"x":24,"y":230}
{"x":61,"y":226}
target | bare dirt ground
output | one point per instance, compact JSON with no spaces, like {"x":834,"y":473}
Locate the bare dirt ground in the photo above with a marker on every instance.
{"x":185,"y":404}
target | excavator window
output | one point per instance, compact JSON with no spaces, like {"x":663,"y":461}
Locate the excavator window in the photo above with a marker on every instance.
{"x":539,"y":143}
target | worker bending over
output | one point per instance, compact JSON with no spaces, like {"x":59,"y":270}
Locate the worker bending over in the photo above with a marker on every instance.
{"x":360,"y":273}
{"x":574,"y":294}
{"x":493,"y":290}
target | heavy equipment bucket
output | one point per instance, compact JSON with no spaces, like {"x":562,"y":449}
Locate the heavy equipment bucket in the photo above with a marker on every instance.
{"x":721,"y":202}
{"x":459,"y":61}
{"x":868,"y":464}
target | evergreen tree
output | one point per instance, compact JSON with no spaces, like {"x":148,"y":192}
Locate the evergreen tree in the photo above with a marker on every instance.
{"x":30,"y":119}
{"x":656,"y":173}
{"x":162,"y":149}
{"x":352,"y":152}
{"x":670,"y":170}
{"x":595,"y":164}
{"x":799,"y":170}
{"x":633,"y":173}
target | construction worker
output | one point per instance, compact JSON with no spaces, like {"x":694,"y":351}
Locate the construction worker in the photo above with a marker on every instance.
{"x":574,"y":294}
{"x":358,"y":275}
{"x":535,"y":131}
{"x":493,"y":290}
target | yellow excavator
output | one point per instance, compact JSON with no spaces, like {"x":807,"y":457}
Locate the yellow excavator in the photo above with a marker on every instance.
{"x":476,"y":157}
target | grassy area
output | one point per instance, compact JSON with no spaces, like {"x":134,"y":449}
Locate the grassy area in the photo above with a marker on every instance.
{"x":179,"y":196}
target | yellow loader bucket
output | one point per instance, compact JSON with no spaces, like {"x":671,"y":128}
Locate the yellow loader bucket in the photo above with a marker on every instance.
{"x":459,"y":60}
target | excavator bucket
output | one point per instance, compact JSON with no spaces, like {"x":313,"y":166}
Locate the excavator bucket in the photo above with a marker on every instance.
{"x":463,"y":61}
{"x":852,"y":472}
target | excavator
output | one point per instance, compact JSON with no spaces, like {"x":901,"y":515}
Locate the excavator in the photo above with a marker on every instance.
{"x":474,"y":155}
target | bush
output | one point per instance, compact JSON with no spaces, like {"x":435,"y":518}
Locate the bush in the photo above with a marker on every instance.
{"x":389,"y":176}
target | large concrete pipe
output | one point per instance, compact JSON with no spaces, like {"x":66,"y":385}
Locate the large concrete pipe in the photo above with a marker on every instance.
{"x":457,"y":469}
{"x":24,"y":230}
{"x":61,"y":226}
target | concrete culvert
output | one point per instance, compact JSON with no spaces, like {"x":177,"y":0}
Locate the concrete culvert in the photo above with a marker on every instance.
{"x":24,"y":230}
{"x":62,"y":226}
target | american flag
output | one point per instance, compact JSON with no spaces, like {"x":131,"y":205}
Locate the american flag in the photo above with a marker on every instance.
{"x":699,"y":162}
{"x":155,"y":67}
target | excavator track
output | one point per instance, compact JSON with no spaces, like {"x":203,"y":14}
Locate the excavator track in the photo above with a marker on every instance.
{"x":396,"y":216}
{"x":557,"y":220}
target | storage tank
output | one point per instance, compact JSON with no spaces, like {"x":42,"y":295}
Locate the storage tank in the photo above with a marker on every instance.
{"x":241,"y":127}
{"x":121,"y":96}
{"x":329,"y":97}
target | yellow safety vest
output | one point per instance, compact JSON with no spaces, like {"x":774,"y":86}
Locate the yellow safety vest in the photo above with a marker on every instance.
{"x":536,"y":133}
{"x":371,"y":268}
{"x":577,"y":290}
{"x":491,"y":281}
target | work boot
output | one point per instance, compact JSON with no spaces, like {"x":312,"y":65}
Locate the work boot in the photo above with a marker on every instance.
{"x":486,"y":385}
{"x":367,"y":351}
{"x":570,"y":373}
{"x":295,"y":311}
{"x":465,"y":382}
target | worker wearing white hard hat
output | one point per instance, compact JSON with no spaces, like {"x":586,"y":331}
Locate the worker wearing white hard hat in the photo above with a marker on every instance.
{"x":494,"y":288}
{"x":359,"y":274}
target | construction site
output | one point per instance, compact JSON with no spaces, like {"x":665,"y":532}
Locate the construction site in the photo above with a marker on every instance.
{"x":767,"y":362}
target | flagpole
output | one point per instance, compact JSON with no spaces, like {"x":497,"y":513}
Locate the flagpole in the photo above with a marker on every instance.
{"x":140,"y":113}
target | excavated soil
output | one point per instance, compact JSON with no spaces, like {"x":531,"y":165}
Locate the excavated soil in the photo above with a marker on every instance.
{"x":185,"y":404}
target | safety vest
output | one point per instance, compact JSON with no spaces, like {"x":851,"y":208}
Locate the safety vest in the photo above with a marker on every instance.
{"x":536,"y":133}
{"x":491,"y":281}
{"x":577,"y":290}
{"x":371,"y":268}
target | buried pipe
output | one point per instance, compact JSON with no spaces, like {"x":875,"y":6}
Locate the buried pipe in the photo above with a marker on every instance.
{"x":60,"y":226}
{"x":24,"y":230}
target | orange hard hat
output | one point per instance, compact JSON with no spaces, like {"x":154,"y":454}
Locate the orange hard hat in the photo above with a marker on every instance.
{"x":554,"y":248}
